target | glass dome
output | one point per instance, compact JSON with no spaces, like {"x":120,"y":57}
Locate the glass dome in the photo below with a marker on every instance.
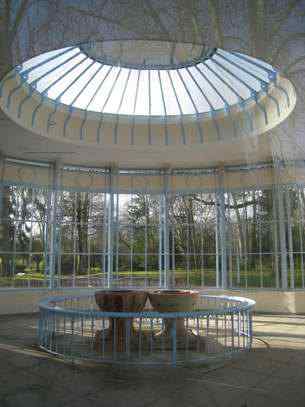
{"x":217,"y":82}
{"x":182,"y":104}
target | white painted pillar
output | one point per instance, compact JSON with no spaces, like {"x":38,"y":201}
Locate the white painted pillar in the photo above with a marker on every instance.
{"x":164,"y":234}
{"x":117,"y":207}
{"x":301,"y":224}
{"x":160,"y":241}
{"x":53,"y":212}
{"x":110,"y":225}
{"x":290,"y":239}
{"x":222,"y":228}
{"x":282,"y":232}
{"x":104,"y":232}
{"x":217,"y":241}
{"x":2,"y":163}
{"x":146,"y":239}
{"x":275,"y":238}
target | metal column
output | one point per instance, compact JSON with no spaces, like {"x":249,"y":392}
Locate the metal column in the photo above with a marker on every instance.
{"x":2,"y":162}
{"x":53,"y":223}
{"x":290,"y":238}
{"x":217,"y":241}
{"x":163,"y":233}
{"x":2,"y":209}
{"x":275,"y":239}
{"x":282,"y":231}
{"x":222,"y":229}
{"x":110,"y":225}
{"x":301,"y":231}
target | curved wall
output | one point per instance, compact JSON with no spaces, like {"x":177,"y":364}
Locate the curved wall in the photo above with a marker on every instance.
{"x":18,"y":301}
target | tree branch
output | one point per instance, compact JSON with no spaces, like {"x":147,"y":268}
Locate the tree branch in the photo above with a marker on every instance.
{"x":290,"y":38}
{"x":237,"y":206}
{"x":101,"y":17}
{"x":19,"y":16}
{"x":285,"y":15}
{"x":295,"y":62}
{"x":155,"y":16}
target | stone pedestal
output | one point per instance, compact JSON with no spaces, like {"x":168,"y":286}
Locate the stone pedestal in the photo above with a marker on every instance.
{"x":119,"y":328}
{"x":174,"y":301}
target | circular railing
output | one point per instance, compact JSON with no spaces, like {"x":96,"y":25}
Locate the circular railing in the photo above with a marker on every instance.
{"x":73,"y":327}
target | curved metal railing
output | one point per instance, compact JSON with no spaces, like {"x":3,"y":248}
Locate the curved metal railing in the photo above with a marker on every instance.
{"x":73,"y":327}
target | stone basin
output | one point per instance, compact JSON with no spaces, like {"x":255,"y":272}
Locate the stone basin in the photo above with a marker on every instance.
{"x":174,"y":301}
{"x":118,"y":301}
{"x":121,"y":300}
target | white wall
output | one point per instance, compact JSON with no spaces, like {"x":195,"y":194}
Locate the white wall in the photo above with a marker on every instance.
{"x":274,"y":301}
{"x":21,"y":301}
{"x":14,"y":301}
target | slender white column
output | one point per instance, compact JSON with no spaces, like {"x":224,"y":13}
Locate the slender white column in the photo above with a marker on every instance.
{"x":279,"y":206}
{"x":74,"y":239}
{"x":222,"y":229}
{"x":2,"y":162}
{"x":164,"y":234}
{"x":223,"y":242}
{"x":275,"y":238}
{"x":217,"y":240}
{"x":110,"y":225}
{"x":53,"y":212}
{"x":229,"y":245}
{"x":173,"y":257}
{"x":88,"y":244}
{"x":290,"y":239}
{"x":104,"y":232}
{"x":117,"y":206}
{"x":261,"y":273}
{"x":160,"y":242}
{"x":246,"y":242}
{"x":201,"y":254}
{"x":282,"y":230}
{"x":188,"y":238}
{"x":301,"y":224}
{"x":146,"y":238}
{"x":163,"y":269}
{"x":2,"y":209}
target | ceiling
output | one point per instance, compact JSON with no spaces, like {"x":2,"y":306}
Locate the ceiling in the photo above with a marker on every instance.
{"x":272,"y":31}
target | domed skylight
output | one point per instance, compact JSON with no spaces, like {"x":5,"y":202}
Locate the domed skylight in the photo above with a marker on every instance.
{"x":213,"y":80}
{"x":147,"y":101}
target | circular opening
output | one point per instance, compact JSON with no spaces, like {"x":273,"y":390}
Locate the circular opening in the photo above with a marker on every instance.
{"x":174,"y":292}
{"x":118,"y":292}
{"x":146,"y":54}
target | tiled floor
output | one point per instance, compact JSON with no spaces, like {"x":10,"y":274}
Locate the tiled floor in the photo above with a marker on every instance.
{"x":272,"y":374}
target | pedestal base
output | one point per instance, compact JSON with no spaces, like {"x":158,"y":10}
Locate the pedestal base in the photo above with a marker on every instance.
{"x":120,"y":329}
{"x":117,"y":337}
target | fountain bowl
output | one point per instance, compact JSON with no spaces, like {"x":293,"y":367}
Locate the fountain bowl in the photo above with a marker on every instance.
{"x":121,"y":300}
{"x":174,"y":300}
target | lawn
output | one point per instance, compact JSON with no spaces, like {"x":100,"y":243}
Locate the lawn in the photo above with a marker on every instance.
{"x":195,"y":277}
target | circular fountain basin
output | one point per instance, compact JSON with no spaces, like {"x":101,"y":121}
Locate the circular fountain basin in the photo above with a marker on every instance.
{"x":174,"y":300}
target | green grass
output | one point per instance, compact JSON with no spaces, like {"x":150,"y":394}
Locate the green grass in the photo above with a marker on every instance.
{"x":251,"y":278}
